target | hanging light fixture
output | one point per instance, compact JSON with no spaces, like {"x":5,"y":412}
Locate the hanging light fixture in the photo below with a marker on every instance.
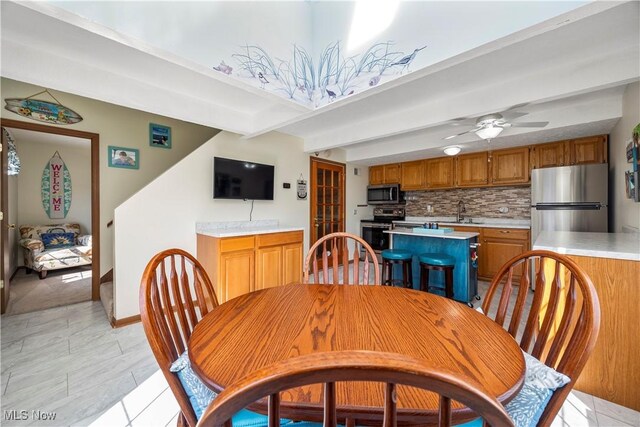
{"x":489,"y":132}
{"x":13,"y":168}
{"x":452,"y":150}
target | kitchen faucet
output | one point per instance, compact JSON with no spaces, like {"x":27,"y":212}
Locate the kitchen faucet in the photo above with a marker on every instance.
{"x":461,"y":208}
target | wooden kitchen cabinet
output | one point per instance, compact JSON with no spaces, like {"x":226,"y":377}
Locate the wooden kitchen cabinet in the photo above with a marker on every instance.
{"x":279,"y":259}
{"x":472,"y":170}
{"x":413,"y":175}
{"x":510,"y":166}
{"x":580,"y":151}
{"x":384,"y":174}
{"x":592,"y":149}
{"x":499,"y":245}
{"x":439,"y":173}
{"x":238,"y":265}
{"x":550,"y":155}
{"x":376,"y":175}
{"x":392,"y":173}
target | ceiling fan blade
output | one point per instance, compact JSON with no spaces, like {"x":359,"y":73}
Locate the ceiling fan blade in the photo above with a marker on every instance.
{"x":528,"y":124}
{"x":512,"y":115}
{"x":461,"y":133}
{"x":463,"y":121}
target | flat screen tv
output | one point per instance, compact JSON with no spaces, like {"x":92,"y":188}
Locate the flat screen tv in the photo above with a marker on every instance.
{"x":238,"y":179}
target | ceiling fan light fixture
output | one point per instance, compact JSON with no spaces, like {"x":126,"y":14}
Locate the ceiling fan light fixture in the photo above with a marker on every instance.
{"x":452,"y":150}
{"x":489,"y":132}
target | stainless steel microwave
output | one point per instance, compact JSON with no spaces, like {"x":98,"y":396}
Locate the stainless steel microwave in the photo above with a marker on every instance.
{"x":386,"y":194}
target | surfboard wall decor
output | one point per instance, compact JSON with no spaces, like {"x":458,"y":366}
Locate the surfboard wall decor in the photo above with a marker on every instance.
{"x":43,"y":111}
{"x":56,"y":188}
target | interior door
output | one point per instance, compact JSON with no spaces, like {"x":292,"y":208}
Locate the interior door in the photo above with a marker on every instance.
{"x":4,"y":228}
{"x":327,"y":198}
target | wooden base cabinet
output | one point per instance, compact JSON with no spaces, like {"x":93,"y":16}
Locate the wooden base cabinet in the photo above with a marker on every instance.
{"x":238,"y":265}
{"x":498,"y":246}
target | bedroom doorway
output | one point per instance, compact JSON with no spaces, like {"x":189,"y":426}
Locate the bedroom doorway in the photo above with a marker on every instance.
{"x":61,"y":286}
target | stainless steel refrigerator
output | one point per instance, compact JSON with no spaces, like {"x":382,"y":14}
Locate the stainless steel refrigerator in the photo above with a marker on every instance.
{"x":569,"y":198}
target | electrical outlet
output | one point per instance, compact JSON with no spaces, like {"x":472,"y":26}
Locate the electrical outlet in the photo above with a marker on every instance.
{"x":503,"y":209}
{"x":355,"y":211}
{"x":429,"y":208}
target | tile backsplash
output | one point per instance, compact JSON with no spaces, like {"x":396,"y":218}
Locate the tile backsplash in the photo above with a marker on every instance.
{"x":479,"y":202}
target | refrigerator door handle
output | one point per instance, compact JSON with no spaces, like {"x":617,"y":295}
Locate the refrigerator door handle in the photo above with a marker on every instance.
{"x":568,"y":207}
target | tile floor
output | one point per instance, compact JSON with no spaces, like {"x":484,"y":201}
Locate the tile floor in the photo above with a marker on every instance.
{"x":68,"y":360}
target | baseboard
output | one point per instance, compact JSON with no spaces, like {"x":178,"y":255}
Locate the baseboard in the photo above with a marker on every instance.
{"x":118,"y":323}
{"x":16,"y":272}
{"x":108,"y":277}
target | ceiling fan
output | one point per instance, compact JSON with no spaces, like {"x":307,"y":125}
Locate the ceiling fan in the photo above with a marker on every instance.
{"x":489,"y":126}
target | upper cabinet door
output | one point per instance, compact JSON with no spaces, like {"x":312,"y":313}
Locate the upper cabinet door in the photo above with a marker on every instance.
{"x":588,"y":150}
{"x":392,"y":173}
{"x":376,"y":175}
{"x":439,"y":172}
{"x":472,"y":170}
{"x":551,"y":155}
{"x":510,"y":166}
{"x":412,"y":175}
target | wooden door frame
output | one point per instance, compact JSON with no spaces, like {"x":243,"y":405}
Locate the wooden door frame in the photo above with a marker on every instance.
{"x":95,"y":187}
{"x":4,"y":230}
{"x":312,"y":190}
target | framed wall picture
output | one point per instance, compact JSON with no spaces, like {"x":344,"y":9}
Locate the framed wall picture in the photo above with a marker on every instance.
{"x":159,"y":136}
{"x":122,"y":157}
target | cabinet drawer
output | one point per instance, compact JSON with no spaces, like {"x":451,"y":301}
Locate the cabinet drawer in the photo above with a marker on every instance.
{"x":506,"y":233}
{"x":278,"y":239}
{"x":237,"y":244}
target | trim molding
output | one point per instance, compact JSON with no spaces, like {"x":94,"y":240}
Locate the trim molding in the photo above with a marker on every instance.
{"x":94,"y":139}
{"x":108,"y":277}
{"x":118,"y":323}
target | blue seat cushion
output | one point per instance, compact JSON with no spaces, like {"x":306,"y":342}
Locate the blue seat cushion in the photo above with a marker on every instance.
{"x":396,"y":254}
{"x":437,"y":259}
{"x":200,"y":396}
{"x":539,"y":384}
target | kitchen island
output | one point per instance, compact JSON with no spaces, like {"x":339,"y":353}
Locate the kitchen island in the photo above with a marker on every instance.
{"x":612,"y":261}
{"x":460,"y":245}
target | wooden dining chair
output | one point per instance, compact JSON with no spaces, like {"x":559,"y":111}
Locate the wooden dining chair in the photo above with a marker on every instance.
{"x":175,"y":293}
{"x":560,"y":327}
{"x":332,"y":252}
{"x":357,"y":365}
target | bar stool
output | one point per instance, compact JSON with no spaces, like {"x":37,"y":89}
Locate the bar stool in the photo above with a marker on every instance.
{"x":396,"y":256}
{"x":438,"y":262}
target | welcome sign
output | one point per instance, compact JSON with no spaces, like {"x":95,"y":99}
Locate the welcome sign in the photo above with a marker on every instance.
{"x":56,"y":188}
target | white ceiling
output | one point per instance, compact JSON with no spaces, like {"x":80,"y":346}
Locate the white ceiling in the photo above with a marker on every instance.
{"x":569,"y":70}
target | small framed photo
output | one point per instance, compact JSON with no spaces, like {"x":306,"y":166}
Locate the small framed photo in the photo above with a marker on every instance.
{"x":159,"y":136}
{"x":122,"y":157}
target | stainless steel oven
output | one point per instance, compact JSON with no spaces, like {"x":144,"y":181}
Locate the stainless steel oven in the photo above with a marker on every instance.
{"x":372,"y":231}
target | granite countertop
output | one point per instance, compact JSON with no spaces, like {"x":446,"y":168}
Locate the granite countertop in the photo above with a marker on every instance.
{"x":476,"y":222}
{"x":461,"y":235}
{"x":599,"y":245}
{"x":242,"y":228}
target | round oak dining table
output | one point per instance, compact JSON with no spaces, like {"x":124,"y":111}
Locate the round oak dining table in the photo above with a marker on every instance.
{"x":260,"y":328}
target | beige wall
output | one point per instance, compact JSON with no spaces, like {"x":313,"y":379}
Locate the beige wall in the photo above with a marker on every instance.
{"x":164,"y":213}
{"x":624,"y":211}
{"x":34,"y":156}
{"x":121,"y":127}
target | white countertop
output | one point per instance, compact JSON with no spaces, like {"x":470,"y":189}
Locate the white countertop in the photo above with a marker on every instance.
{"x":242,"y":228}
{"x":598,"y":245}
{"x":476,"y":222}
{"x":460,"y":235}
